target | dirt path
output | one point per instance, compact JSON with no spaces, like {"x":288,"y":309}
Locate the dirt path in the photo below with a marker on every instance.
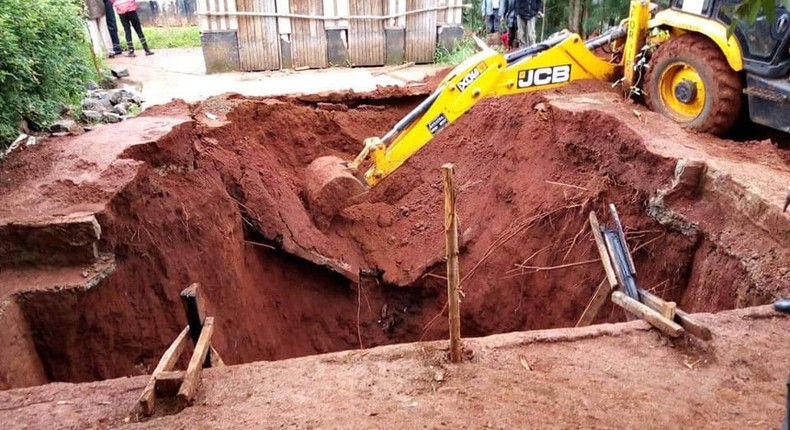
{"x":608,"y":376}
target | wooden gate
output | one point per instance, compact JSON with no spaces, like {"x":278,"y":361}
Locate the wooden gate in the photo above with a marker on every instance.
{"x":259,"y":43}
{"x":366,"y":43}
{"x":308,"y":40}
{"x":420,"y":31}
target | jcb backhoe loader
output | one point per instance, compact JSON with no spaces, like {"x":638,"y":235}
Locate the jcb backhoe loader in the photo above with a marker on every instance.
{"x":681,"y":59}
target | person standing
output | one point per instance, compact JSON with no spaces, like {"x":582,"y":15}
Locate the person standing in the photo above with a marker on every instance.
{"x":490,"y":9}
{"x":127,"y":11}
{"x":528,"y":12}
{"x":112,"y":28}
{"x":509,"y":25}
{"x":97,"y":26}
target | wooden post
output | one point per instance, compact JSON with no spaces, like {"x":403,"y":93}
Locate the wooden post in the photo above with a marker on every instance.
{"x":595,"y":304}
{"x":193,"y":307}
{"x":453,"y":271}
{"x":670,"y":328}
{"x":192,"y":376}
{"x":603,"y":291}
{"x":599,"y":243}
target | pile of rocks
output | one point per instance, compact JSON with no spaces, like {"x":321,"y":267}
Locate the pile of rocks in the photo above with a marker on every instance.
{"x":110,"y":106}
{"x":100,"y":106}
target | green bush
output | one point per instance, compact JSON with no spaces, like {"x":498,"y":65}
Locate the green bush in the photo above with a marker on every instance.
{"x":44,"y":61}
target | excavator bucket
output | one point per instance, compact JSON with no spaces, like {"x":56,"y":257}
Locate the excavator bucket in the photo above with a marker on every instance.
{"x":329,"y":187}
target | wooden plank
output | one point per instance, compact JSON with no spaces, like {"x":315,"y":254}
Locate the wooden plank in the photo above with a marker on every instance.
{"x":366,"y":42}
{"x":166,"y":363}
{"x":621,"y":233}
{"x":605,"y":260}
{"x":216,"y":360}
{"x":168,"y":383}
{"x":308,"y":40}
{"x":259,"y":41}
{"x":453,"y":272}
{"x":595,"y":304}
{"x":668,"y":310}
{"x":186,"y":394}
{"x":420,"y":31}
{"x":284,"y":24}
{"x":670,"y":328}
{"x":685,"y":320}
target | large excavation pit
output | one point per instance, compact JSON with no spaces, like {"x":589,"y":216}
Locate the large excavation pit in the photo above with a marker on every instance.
{"x":211,"y":193}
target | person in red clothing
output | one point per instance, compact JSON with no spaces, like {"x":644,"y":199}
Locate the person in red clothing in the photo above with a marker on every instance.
{"x":127,"y":11}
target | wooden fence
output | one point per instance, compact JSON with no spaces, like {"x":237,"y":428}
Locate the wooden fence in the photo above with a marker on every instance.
{"x":278,"y":34}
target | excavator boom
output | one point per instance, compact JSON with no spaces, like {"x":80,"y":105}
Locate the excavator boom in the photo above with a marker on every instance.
{"x":561,"y":59}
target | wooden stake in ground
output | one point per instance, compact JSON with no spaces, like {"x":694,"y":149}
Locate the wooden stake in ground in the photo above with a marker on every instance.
{"x":453,"y":272}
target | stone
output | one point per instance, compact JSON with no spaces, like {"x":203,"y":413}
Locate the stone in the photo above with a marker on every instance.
{"x":115,"y":96}
{"x":91,"y":116}
{"x":109,"y":82}
{"x":111,"y":118}
{"x":65,"y":126}
{"x":332,"y":106}
{"x":120,"y":72}
{"x":688,"y":174}
{"x":121,"y":109}
{"x":91,"y":85}
{"x":97,"y":105}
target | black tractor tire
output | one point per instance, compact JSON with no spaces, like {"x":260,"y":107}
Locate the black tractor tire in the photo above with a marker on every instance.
{"x":723,"y":85}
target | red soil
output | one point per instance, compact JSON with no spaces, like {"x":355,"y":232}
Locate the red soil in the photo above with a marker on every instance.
{"x":218,"y":201}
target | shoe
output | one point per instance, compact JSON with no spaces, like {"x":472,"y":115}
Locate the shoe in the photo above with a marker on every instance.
{"x":131,"y":53}
{"x":149,"y":52}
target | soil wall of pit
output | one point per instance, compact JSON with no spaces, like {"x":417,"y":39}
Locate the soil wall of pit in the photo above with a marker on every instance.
{"x":218,"y":202}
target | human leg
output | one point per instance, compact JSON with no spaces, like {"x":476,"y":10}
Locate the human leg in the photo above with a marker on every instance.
{"x":112,"y":27}
{"x":522,"y":29}
{"x":531,"y":36}
{"x":127,"y":31}
{"x":138,"y":28}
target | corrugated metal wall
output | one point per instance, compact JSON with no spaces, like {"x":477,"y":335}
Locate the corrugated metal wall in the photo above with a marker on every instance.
{"x":420,"y":31}
{"x":259,"y":43}
{"x":366,"y":43}
{"x":308,"y":40}
{"x":266,"y":27}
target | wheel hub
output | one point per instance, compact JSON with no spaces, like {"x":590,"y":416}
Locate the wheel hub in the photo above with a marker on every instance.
{"x":686,"y":91}
{"x":682,"y":91}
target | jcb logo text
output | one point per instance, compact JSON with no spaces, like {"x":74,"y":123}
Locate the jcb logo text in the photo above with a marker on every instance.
{"x":544,"y":76}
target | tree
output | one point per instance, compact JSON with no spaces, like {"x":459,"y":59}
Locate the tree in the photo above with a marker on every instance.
{"x":44,"y":61}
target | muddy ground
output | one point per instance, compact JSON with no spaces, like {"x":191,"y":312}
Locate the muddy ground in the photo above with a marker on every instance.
{"x":211,"y":193}
{"x":620,"y":376}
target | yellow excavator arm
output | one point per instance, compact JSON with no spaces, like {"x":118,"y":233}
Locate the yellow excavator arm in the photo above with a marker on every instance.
{"x":560,"y":60}
{"x":331,"y":183}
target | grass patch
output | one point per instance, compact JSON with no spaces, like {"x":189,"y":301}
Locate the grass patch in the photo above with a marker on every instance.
{"x":464,"y":49}
{"x":164,"y":37}
{"x":170,"y":37}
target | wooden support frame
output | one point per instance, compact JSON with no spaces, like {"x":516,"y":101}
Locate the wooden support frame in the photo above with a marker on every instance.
{"x":166,"y":363}
{"x":653,"y":317}
{"x":167,"y":382}
{"x":602,"y":292}
{"x":685,"y":320}
{"x":186,"y":394}
{"x":595,"y":304}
